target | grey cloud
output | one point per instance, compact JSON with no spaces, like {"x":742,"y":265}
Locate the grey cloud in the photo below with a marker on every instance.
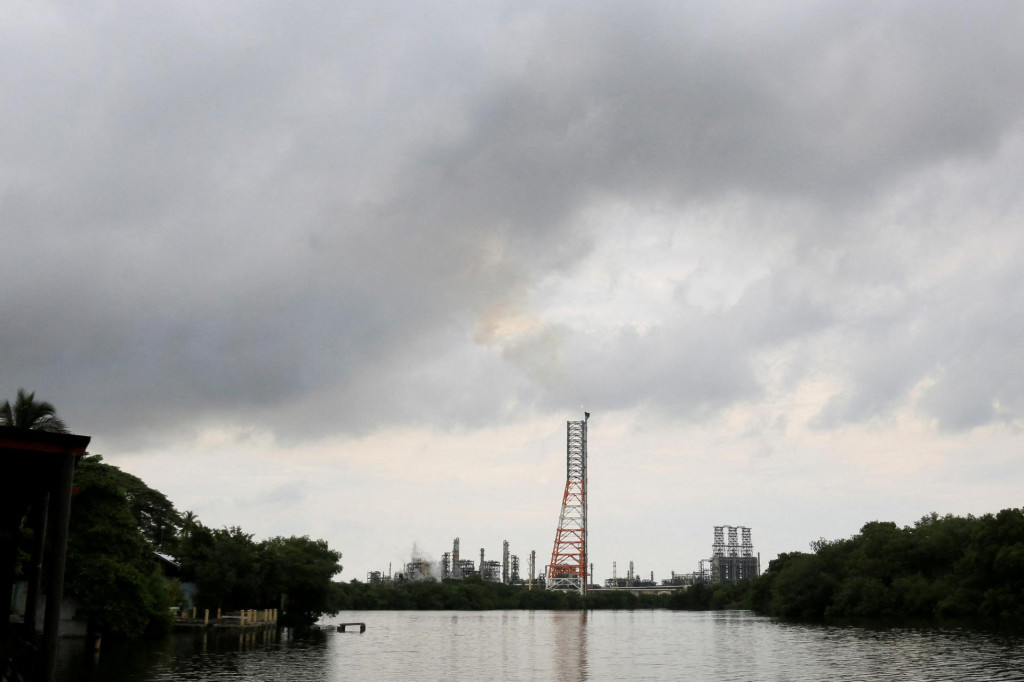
{"x":286,"y":495}
{"x":826,"y":102}
{"x":947,"y":344}
{"x":297,"y":215}
{"x":977,"y":377}
{"x":694,"y":365}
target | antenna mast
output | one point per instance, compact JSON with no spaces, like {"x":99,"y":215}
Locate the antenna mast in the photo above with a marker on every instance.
{"x":568,"y":567}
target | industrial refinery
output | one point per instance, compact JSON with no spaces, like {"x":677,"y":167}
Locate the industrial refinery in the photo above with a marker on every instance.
{"x":732,"y":551}
{"x":453,"y":567}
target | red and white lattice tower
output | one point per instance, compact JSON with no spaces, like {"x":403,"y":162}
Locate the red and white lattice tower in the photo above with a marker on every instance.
{"x":568,"y":568}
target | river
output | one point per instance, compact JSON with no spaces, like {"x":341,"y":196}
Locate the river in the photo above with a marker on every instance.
{"x":724,"y":646}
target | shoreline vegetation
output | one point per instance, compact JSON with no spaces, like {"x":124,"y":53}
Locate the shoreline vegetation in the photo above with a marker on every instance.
{"x":131,"y":556}
{"x":943,"y":570}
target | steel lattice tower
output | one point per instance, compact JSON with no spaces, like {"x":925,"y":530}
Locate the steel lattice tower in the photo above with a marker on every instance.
{"x":568,"y":567}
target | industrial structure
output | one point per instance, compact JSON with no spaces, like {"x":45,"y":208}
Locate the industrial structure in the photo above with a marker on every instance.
{"x":632,"y":580}
{"x":734,"y":560}
{"x":732,"y":552}
{"x":419,"y":569}
{"x":568,"y":567}
{"x":490,"y":571}
{"x":453,"y":567}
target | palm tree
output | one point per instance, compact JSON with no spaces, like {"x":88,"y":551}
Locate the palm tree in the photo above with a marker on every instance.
{"x":189,"y":522}
{"x":29,"y":414}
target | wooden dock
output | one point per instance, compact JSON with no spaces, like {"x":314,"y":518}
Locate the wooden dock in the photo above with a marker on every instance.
{"x":245,"y":620}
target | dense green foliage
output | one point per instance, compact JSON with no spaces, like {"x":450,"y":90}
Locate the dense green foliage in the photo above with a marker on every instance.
{"x":471,"y":594}
{"x":111,"y":570}
{"x":297,"y":573}
{"x":224,"y":565}
{"x":718,"y":597}
{"x":941,"y":569}
{"x":118,"y":524}
{"x":231,"y":571}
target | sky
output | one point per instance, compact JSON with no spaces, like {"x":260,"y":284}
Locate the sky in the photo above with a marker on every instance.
{"x":346,"y":269}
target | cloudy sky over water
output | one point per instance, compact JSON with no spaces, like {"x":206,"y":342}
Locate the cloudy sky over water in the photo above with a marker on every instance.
{"x":346,"y":269}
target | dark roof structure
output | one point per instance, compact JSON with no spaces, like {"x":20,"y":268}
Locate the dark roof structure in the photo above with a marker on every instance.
{"x":36,"y":472}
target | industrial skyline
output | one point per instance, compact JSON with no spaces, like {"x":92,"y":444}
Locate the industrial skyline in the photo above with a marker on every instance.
{"x":729,"y":560}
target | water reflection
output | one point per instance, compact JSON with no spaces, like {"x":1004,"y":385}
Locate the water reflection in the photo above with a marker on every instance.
{"x":545,"y":645}
{"x":569,"y":653}
{"x":250,"y":656}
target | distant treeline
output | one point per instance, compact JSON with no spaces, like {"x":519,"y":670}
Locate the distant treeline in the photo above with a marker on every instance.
{"x":472,"y":594}
{"x":943,"y":569}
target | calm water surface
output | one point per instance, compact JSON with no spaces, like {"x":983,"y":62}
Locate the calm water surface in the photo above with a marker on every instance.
{"x":726,"y":646}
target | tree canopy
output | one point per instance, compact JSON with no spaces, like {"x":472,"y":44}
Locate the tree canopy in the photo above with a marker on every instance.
{"x":297,"y":573}
{"x":118,"y":523}
{"x":111,"y":569}
{"x":940,"y":569}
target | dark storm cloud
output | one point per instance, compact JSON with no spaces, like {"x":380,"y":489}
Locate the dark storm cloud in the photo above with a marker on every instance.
{"x":817,"y":101}
{"x":298,"y":214}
